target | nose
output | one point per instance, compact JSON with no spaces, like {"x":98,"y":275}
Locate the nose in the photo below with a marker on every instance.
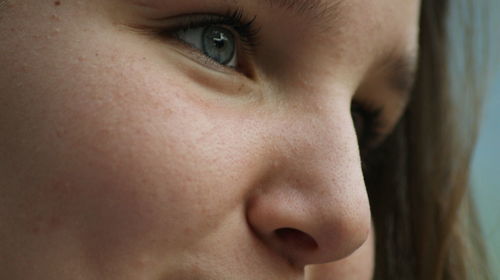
{"x":312,"y":206}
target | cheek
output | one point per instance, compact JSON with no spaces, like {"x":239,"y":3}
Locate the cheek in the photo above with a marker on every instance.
{"x":129,"y":161}
{"x":121,"y":152}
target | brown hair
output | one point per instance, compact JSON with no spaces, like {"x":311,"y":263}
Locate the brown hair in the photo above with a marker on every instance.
{"x":418,"y":179}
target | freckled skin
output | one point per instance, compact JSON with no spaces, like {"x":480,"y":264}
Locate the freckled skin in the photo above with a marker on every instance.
{"x":122,"y":158}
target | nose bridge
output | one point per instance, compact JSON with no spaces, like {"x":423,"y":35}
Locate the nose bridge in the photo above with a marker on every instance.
{"x":328,"y":172}
{"x":321,"y":139}
{"x":318,"y":115}
{"x":325,"y":166}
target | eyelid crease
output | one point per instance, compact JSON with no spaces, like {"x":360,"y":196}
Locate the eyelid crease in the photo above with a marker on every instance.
{"x":401,"y":69}
{"x":403,"y":74}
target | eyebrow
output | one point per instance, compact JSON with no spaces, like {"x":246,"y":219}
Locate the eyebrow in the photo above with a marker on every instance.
{"x":320,"y":12}
{"x":401,"y":67}
{"x":324,"y":11}
{"x":402,"y":71}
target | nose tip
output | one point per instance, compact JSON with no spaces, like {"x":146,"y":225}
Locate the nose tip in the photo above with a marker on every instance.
{"x":310,"y":204}
{"x":304,"y":231}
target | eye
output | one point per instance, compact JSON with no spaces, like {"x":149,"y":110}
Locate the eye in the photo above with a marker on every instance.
{"x":367,"y":122}
{"x":216,"y":42}
{"x":228,"y":40}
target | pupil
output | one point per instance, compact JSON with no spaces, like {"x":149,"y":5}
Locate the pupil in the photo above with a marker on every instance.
{"x":218,"y":44}
{"x":219,"y":40}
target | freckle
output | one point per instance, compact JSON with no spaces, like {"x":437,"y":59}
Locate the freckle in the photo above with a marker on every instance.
{"x":35,"y":229}
{"x":57,"y":3}
{"x":139,"y":264}
{"x":60,"y":133}
{"x":81,"y":59}
{"x":188,"y":231}
{"x":60,"y":188}
{"x":55,"y":18}
{"x":55,"y":222}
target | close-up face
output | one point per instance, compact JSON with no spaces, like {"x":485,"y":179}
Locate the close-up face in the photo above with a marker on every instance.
{"x":195,"y":139}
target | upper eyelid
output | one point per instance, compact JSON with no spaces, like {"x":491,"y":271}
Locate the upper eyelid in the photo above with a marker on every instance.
{"x":237,"y":19}
{"x":193,"y":20}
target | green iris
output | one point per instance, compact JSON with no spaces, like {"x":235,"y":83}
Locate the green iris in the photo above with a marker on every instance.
{"x":218,"y":44}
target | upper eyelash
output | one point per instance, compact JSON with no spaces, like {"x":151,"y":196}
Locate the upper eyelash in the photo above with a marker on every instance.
{"x":373,"y":117}
{"x":245,"y":27}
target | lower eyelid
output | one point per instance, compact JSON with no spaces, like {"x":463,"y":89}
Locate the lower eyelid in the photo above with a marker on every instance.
{"x":196,"y":55}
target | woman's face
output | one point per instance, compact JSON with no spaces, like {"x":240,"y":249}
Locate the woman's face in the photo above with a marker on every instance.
{"x":195,"y":139}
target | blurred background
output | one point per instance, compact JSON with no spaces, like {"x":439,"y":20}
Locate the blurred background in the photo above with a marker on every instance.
{"x":486,"y":162}
{"x":486,"y":172}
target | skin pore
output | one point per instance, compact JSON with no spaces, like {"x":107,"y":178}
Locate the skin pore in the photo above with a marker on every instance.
{"x":126,"y":153}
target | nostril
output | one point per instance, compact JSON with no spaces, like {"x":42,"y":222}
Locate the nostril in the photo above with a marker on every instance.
{"x":296,"y":239}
